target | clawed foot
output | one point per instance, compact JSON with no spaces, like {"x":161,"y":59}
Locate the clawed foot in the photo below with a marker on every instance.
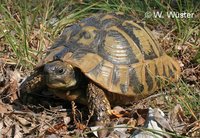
{"x":99,"y":106}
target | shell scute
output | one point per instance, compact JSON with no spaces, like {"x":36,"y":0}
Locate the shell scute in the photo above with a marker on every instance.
{"x":115,"y":52}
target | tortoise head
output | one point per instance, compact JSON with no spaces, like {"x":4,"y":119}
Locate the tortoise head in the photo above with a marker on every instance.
{"x":59,"y":75}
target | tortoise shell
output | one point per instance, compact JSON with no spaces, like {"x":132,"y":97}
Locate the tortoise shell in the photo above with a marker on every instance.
{"x":115,"y":52}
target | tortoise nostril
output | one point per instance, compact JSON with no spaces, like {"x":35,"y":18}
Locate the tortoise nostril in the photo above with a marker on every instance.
{"x":49,"y":69}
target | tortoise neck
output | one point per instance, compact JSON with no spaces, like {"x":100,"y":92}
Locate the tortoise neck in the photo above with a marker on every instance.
{"x":81,"y":80}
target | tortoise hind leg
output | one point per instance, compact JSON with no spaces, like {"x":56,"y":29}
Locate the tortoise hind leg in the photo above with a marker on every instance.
{"x":99,"y":106}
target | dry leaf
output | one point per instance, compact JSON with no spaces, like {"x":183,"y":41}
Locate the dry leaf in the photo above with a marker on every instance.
{"x":151,"y":123}
{"x":5,"y":108}
{"x":142,"y":115}
{"x":194,"y":129}
{"x":56,"y":129}
{"x":17,"y":133}
{"x":119,"y":112}
{"x":140,"y":121}
{"x":176,"y":118}
{"x":159,"y":117}
{"x":66,"y":120}
{"x":22,"y":121}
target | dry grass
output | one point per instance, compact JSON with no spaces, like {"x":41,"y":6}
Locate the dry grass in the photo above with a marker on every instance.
{"x":28,"y":28}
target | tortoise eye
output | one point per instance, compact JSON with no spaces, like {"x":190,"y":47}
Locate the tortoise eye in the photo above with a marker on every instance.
{"x":60,"y":70}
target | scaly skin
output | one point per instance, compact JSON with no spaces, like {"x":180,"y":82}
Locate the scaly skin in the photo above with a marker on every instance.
{"x":99,"y":105}
{"x":33,"y":84}
{"x":97,"y":101}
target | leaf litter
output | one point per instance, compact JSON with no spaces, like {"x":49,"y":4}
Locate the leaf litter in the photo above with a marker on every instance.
{"x":19,"y":120}
{"x":57,"y":118}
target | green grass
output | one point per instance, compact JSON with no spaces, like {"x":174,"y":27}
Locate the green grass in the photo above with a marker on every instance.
{"x":29,"y":27}
{"x":188,"y":97}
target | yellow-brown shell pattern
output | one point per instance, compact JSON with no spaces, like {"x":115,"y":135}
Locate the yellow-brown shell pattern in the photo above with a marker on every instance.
{"x":117,"y":53}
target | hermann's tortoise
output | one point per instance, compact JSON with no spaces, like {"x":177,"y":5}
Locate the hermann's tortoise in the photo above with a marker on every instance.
{"x":103,"y":59}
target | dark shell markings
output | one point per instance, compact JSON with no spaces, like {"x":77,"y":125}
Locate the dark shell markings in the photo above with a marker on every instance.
{"x":116,"y":53}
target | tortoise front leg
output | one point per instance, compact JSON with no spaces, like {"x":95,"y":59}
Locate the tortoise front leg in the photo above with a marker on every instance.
{"x":99,"y":106}
{"x":31,"y":85}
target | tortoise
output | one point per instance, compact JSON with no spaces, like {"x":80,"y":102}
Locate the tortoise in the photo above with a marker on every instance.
{"x":105,"y":59}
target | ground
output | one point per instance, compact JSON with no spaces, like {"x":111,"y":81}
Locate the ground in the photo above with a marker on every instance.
{"x":29,"y":28}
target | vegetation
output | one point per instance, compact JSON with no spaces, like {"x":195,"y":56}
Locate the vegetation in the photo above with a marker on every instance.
{"x":29,"y":27}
